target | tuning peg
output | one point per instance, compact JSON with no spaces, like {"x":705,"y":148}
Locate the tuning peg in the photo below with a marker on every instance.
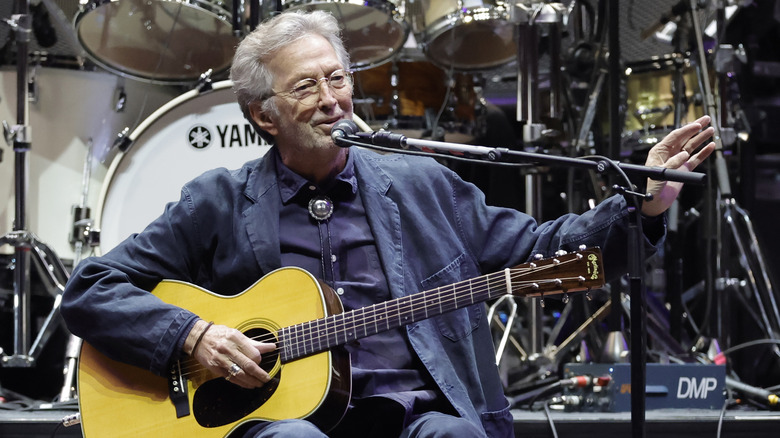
{"x":588,"y":296}
{"x":560,"y":253}
{"x":541,"y":301}
{"x":565,"y":298}
{"x":538,"y":256}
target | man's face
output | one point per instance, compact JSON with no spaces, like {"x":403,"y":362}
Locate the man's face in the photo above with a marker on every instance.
{"x":298,"y":125}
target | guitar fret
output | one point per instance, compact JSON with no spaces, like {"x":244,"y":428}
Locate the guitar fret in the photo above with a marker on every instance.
{"x":298,"y":342}
{"x":377,"y":319}
{"x":410,"y":313}
{"x":332,"y":331}
{"x":346,"y":325}
{"x":425,"y":300}
{"x":319,"y":335}
{"x":365,"y":325}
{"x":386,"y":319}
{"x":309,"y":347}
{"x":287,"y":348}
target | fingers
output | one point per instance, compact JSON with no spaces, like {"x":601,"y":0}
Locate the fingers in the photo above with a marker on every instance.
{"x":247,"y":356}
{"x":700,"y":156}
{"x":689,"y":136}
{"x":228,"y":353}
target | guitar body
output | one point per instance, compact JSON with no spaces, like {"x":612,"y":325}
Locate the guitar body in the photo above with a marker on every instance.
{"x":123,"y":400}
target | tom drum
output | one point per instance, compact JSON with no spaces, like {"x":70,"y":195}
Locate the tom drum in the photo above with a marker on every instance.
{"x":464,"y":34}
{"x":158,"y":41}
{"x":373,"y":30}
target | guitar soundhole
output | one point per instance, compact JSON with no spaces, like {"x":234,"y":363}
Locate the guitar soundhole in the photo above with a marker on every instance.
{"x":218,"y":402}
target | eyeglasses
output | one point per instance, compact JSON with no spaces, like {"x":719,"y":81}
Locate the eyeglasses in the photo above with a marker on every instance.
{"x":307,"y":91}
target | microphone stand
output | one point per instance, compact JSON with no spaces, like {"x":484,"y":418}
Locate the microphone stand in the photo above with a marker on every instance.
{"x":24,"y":242}
{"x":387,"y":141}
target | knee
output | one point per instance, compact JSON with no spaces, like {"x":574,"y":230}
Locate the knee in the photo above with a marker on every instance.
{"x":285,"y":429}
{"x":437,"y":425}
{"x":456,"y":428}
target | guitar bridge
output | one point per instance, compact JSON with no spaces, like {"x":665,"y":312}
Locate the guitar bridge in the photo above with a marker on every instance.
{"x":177,"y":391}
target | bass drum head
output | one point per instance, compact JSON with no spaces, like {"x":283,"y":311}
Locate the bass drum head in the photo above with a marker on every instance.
{"x":191,"y":134}
{"x":158,"y":41}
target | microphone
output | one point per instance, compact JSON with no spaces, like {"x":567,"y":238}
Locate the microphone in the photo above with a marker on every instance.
{"x":347,"y":128}
{"x":343,"y":128}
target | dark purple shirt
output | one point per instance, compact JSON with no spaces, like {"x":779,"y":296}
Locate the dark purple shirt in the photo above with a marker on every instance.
{"x":341,"y":250}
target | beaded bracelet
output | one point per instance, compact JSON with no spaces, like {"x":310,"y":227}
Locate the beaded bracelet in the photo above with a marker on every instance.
{"x":200,"y":338}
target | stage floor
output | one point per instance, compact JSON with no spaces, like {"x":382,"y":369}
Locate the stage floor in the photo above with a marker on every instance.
{"x":667,"y":423}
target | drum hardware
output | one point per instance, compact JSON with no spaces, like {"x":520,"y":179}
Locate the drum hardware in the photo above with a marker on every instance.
{"x":26,"y":245}
{"x":531,"y":20}
{"x":83,"y":235}
{"x":728,"y":224}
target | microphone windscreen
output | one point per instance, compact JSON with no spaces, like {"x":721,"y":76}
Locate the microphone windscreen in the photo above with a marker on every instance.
{"x":343,"y":128}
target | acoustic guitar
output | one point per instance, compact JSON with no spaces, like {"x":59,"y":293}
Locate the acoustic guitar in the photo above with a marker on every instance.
{"x":310,"y":373}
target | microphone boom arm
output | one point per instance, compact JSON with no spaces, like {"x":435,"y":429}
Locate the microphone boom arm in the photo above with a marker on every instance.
{"x":384,"y":140}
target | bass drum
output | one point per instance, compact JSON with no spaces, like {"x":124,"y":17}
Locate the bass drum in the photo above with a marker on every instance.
{"x":373,"y":30}
{"x":158,"y":41}
{"x":193,"y":133}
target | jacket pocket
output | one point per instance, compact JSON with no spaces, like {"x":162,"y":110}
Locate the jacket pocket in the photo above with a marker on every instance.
{"x":498,"y":424}
{"x":458,"y":324}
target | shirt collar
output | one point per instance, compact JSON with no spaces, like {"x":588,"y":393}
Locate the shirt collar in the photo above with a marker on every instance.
{"x":291,"y":184}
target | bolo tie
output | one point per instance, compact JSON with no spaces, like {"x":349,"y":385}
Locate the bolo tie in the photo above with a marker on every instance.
{"x":321,"y":209}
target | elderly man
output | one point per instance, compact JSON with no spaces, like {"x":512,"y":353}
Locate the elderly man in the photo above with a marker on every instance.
{"x":372,"y":227}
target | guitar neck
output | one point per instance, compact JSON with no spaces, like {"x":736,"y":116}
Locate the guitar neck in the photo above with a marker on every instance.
{"x":567,"y":273}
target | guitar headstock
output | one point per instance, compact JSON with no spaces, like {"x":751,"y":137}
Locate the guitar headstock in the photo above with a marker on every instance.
{"x":563,"y":274}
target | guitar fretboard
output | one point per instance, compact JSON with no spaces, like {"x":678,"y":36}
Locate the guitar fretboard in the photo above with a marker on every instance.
{"x":319,"y":335}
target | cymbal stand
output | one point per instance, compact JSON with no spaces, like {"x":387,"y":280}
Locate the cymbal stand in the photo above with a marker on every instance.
{"x":82,"y":234}
{"x":529,"y":19}
{"x":728,"y":211}
{"x":26,"y":244}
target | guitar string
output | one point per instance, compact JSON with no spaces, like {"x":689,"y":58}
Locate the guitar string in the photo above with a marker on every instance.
{"x":451,"y":295}
{"x":397,"y":306}
{"x":341,"y":319}
{"x":393,"y":309}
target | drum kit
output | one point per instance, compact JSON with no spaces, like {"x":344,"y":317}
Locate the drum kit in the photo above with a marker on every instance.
{"x":420,"y":68}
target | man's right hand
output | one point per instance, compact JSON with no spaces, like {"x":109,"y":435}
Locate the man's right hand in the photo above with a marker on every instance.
{"x":227,"y":352}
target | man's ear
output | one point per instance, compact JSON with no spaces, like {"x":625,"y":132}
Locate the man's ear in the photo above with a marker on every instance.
{"x":262,"y":118}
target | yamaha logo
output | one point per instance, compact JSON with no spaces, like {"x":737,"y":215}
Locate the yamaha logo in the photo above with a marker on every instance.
{"x":225,"y":137}
{"x":199,"y":137}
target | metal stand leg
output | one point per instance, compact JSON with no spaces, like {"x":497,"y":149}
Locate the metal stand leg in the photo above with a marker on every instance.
{"x":27,"y":246}
{"x":50,"y":269}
